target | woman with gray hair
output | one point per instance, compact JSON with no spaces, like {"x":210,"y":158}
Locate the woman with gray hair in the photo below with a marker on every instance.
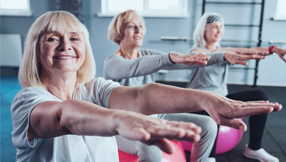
{"x":132,"y":66}
{"x":207,"y":36}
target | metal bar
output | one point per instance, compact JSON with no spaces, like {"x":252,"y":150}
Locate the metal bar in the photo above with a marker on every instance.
{"x":242,"y":68}
{"x":235,"y":3}
{"x":236,"y":25}
{"x":203,"y":9}
{"x":169,"y":38}
{"x":259,"y":43}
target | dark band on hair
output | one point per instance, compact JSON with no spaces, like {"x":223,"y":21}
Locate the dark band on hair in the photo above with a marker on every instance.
{"x":213,"y":18}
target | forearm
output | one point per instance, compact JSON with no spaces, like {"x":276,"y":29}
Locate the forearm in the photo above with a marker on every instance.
{"x":158,"y":98}
{"x":120,"y":68}
{"x":84,"y":118}
{"x":215,"y":58}
{"x":52,"y":119}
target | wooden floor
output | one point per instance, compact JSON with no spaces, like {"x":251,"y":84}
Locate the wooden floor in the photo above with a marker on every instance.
{"x":274,"y":139}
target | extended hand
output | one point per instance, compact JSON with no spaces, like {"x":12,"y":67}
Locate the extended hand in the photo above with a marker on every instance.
{"x":281,"y":52}
{"x":224,"y":110}
{"x":252,"y":51}
{"x":190,"y":59}
{"x":240,"y":59}
{"x":154,"y":131}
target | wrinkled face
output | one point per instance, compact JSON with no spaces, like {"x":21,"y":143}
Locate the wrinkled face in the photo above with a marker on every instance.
{"x":213,"y":32}
{"x":134,"y":32}
{"x":61,"y":52}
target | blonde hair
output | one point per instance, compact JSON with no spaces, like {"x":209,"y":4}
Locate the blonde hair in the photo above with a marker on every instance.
{"x":30,"y":69}
{"x":198,"y":35}
{"x":115,"y":28}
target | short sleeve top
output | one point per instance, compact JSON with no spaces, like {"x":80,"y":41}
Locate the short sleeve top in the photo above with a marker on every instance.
{"x":71,"y":148}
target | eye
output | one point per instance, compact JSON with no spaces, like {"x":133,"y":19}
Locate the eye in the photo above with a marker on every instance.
{"x":140,"y":26}
{"x":74,"y":39}
{"x":53,"y":39}
{"x":130,"y":26}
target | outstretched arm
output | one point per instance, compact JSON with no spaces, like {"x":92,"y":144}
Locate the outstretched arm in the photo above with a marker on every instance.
{"x":116,"y":67}
{"x":239,"y":50}
{"x":51,"y":119}
{"x":156,"y":98}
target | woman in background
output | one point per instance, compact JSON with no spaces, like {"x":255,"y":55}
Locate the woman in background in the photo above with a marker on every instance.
{"x":132,"y":66}
{"x":207,"y":35}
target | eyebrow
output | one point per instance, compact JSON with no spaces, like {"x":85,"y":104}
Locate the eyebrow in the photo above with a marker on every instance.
{"x":56,"y":32}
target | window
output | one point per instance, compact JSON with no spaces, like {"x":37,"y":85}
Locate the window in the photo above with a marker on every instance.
{"x":15,"y":8}
{"x":146,"y":8}
{"x":280,"y":10}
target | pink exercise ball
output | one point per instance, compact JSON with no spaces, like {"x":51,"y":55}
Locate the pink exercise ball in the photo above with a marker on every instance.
{"x":178,"y":155}
{"x":227,"y":139}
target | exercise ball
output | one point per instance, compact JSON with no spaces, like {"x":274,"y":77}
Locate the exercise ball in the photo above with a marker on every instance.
{"x":227,"y":139}
{"x":177,"y":156}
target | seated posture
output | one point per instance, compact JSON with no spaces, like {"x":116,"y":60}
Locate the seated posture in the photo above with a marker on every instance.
{"x":132,"y":66}
{"x":207,"y":35}
{"x":61,"y":113}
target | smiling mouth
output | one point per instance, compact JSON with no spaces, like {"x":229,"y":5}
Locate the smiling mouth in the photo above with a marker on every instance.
{"x":64,"y":57}
{"x":137,"y":38}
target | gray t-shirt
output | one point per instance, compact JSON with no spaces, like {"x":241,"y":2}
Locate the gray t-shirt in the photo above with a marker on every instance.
{"x":209,"y":78}
{"x":141,"y":71}
{"x":71,"y":148}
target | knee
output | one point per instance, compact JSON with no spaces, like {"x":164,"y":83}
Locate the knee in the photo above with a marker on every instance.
{"x":149,"y":153}
{"x":258,"y":95}
{"x":209,"y":127}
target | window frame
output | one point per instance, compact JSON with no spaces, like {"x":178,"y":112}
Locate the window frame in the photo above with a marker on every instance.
{"x":149,"y":12}
{"x":17,"y":12}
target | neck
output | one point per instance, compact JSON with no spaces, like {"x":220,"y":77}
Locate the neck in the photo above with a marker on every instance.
{"x":128,"y":53}
{"x":211,"y":46}
{"x":60,"y":85}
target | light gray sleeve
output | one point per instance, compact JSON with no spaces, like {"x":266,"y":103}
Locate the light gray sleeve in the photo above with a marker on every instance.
{"x":101,"y":90}
{"x":23,"y":104}
{"x":116,"y":67}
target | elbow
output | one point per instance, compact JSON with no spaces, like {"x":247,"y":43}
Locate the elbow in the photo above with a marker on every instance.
{"x":63,"y":120}
{"x":144,"y":94}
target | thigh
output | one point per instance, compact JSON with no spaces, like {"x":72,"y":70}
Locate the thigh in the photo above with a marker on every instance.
{"x":203,"y":121}
{"x":249,"y":95}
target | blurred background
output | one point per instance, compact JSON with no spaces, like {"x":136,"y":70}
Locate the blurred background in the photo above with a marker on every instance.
{"x":170,"y":25}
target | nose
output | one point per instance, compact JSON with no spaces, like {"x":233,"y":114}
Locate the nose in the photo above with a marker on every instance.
{"x":137,"y":30}
{"x":64,"y":45}
{"x":219,"y":30}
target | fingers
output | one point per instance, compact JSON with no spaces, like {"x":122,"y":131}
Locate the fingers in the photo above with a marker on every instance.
{"x":249,"y":109}
{"x":176,"y":131}
{"x":234,"y":123}
{"x":165,"y":145}
{"x":282,"y":57}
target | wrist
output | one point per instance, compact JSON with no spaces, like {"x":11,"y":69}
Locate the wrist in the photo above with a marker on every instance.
{"x":172,"y":55}
{"x":271,"y":49}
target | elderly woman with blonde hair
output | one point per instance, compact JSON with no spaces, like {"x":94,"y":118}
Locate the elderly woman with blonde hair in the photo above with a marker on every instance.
{"x":61,"y":113}
{"x":133,"y":66}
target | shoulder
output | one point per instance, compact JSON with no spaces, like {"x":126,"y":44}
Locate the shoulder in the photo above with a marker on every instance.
{"x":29,"y":97}
{"x":96,"y":85}
{"x":148,"y":52}
{"x":195,"y":47}
{"x":96,"y":91}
